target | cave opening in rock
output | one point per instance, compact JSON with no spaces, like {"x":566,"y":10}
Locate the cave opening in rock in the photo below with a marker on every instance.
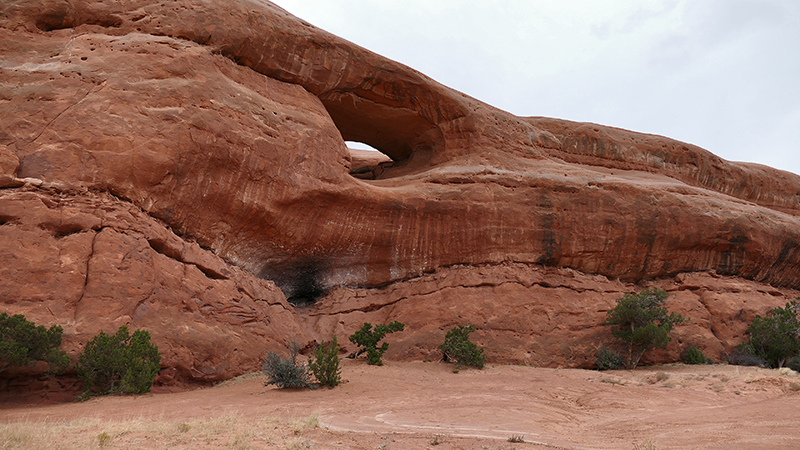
{"x":301,"y":284}
{"x":368,"y":163}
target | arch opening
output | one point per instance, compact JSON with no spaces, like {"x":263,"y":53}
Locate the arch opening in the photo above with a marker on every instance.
{"x":367,"y":162}
{"x":400,"y":132}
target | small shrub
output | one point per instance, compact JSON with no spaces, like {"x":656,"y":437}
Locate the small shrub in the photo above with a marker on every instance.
{"x":104,"y":439}
{"x":286,"y":373}
{"x":324,"y":364}
{"x":23,"y":343}
{"x":517,"y":439}
{"x":459,"y":349}
{"x":608,"y":360}
{"x":642,"y":321}
{"x":368,"y":340}
{"x":743,"y":356}
{"x":119,"y":364}
{"x":794,"y":363}
{"x":694,"y":355}
{"x":776,"y":337}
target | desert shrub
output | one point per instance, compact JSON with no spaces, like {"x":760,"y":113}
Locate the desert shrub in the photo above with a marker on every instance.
{"x":324,"y":364}
{"x":23,"y":343}
{"x":743,"y":355}
{"x":794,"y":363}
{"x":693,"y":355}
{"x":119,"y":364}
{"x":642,"y":321}
{"x":286,"y":372}
{"x":368,"y":340}
{"x":459,"y":349}
{"x":776,"y":337}
{"x":607,"y":359}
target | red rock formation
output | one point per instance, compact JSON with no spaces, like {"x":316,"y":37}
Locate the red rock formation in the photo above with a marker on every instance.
{"x":226,"y":122}
{"x":541,"y":316}
{"x":91,"y":262}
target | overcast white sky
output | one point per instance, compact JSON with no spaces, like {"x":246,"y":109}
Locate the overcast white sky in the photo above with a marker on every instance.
{"x":721,"y":74}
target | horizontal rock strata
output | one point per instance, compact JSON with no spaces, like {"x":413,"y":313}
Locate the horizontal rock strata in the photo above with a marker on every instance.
{"x":181,"y":165}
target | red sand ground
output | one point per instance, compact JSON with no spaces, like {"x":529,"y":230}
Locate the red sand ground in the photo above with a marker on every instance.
{"x":425,"y":405}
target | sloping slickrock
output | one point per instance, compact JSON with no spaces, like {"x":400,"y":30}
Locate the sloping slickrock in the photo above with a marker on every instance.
{"x":143,"y":99}
{"x":226,"y":122}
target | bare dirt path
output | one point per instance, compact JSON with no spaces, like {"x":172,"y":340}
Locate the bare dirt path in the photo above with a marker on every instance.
{"x":425,"y":405}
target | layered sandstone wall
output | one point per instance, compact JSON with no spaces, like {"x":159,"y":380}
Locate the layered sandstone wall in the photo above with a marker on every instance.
{"x":241,"y":109}
{"x":542,"y":316}
{"x":218,"y":128}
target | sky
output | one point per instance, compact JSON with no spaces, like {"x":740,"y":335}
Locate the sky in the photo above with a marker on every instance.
{"x":720,"y":74}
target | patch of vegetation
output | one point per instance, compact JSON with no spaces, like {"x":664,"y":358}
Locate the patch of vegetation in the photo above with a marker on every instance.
{"x":118,"y":364}
{"x":104,"y":439}
{"x":649,"y":445}
{"x":457,"y":348}
{"x":694,"y":355}
{"x":642,"y":321}
{"x":514,"y":439}
{"x":324,"y":364}
{"x":743,"y":355}
{"x":612,"y":381}
{"x":794,"y":363}
{"x":286,"y":372}
{"x":607,"y":359}
{"x":23,"y":343}
{"x":368,"y":339}
{"x":223,"y":431}
{"x":776,"y":337}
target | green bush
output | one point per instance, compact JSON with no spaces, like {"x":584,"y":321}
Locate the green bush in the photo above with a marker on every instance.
{"x":743,"y":355}
{"x":776,"y":337}
{"x":118,"y":364}
{"x":608,"y":360}
{"x":288,"y":372}
{"x":23,"y":343}
{"x":368,"y":340}
{"x":794,"y":363}
{"x":694,"y":355}
{"x":642,"y":321}
{"x":324,"y":364}
{"x":459,"y":349}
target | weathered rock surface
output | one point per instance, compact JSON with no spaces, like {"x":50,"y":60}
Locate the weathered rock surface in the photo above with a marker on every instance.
{"x":541,"y":316}
{"x":90,"y":262}
{"x":226,"y":122}
{"x":143,"y":99}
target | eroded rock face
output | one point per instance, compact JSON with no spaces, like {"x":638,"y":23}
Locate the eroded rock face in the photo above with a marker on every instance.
{"x":226,"y":122}
{"x":542,"y":316}
{"x":90,"y":262}
{"x":143,"y":99}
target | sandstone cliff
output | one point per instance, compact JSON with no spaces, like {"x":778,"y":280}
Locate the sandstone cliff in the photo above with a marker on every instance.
{"x":168,"y":164}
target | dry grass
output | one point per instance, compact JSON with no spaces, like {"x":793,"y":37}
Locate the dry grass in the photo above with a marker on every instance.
{"x":612,"y":381}
{"x":228,"y":431}
{"x":649,"y":445}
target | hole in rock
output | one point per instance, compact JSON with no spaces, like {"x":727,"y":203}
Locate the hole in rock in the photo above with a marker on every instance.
{"x":385,"y":119}
{"x":368,"y":163}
